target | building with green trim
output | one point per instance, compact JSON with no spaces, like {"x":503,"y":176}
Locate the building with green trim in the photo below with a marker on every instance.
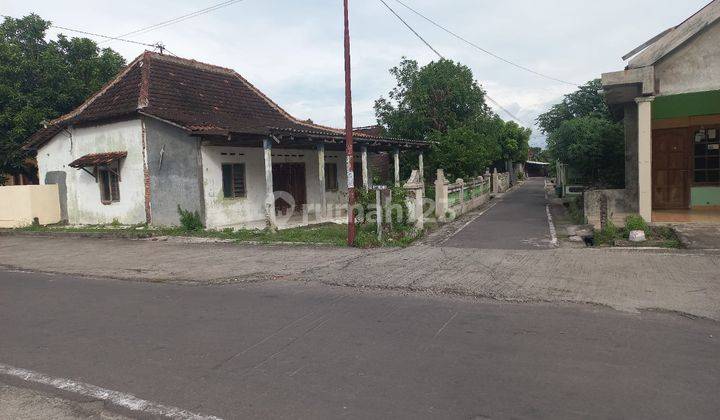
{"x":669,"y":99}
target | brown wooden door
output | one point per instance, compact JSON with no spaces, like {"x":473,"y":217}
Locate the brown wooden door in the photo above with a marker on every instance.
{"x":671,"y":168}
{"x":289,"y":177}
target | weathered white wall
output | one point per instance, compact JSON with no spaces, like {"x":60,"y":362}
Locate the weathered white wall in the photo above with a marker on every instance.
{"x":221,"y":212}
{"x":83,"y":192}
{"x":694,"y":67}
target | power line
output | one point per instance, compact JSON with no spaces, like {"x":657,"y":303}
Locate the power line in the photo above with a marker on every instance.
{"x":474,"y":45}
{"x":179,"y":19}
{"x":411,"y":29}
{"x":114,"y":38}
{"x":513,"y":116}
{"x":157,"y":45}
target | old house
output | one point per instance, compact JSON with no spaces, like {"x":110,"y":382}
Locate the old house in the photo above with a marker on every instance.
{"x":169,"y":132}
{"x":669,"y":94}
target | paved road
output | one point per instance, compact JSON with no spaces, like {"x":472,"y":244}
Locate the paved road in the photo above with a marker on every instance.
{"x":518,"y":220}
{"x":279,"y":349}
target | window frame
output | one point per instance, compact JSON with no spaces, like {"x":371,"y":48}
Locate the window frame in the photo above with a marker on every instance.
{"x":331,"y":182}
{"x":706,"y":142}
{"x":112,"y":170}
{"x":234,"y":195}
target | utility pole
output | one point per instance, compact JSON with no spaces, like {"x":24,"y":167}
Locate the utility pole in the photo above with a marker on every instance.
{"x":349,"y":154}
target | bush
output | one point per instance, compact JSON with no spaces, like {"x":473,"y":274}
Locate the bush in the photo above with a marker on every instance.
{"x":636,"y":222}
{"x":190,"y":221}
{"x":520,"y":176}
{"x":607,"y":235}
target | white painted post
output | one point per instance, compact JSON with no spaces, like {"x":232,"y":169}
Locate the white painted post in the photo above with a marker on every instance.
{"x":441,"y":195}
{"x":321,"y":179}
{"x":396,"y":165}
{"x":645,"y":156}
{"x":378,"y":211}
{"x":421,"y":167}
{"x":364,"y":160}
{"x":269,"y":193}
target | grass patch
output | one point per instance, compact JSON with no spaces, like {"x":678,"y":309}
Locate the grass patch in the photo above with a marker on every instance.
{"x":657,"y":236}
{"x":324,"y":234}
{"x":576,"y":211}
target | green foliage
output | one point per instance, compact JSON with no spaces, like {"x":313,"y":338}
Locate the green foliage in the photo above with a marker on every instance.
{"x":41,"y":80}
{"x":608,"y":234}
{"x":582,"y":133}
{"x":593,"y":148}
{"x":520,"y":176}
{"x":190,"y":221}
{"x":443,"y":103}
{"x":636,"y":222}
{"x":399,"y":211}
{"x":587,"y":101}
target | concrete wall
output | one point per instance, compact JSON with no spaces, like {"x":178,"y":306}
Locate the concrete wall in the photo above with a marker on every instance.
{"x":618,"y":207}
{"x":174,"y":167}
{"x":83,"y":192}
{"x":221,"y":212}
{"x":694,"y":67}
{"x":21,"y":204}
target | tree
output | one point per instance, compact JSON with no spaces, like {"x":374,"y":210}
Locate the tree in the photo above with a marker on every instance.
{"x":443,"y":103}
{"x":593,"y":148}
{"x":41,"y":80}
{"x":583,"y":134}
{"x":587,"y":101}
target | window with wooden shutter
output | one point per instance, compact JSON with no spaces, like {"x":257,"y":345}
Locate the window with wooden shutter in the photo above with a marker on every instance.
{"x":331,"y":179}
{"x":109,"y":180}
{"x":233,"y":175}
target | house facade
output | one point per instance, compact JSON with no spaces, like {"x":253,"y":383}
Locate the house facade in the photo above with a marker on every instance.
{"x":169,"y":132}
{"x":669,"y":96}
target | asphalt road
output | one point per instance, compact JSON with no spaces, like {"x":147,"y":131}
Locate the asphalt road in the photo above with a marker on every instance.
{"x":297,"y":350}
{"x":517,"y":220}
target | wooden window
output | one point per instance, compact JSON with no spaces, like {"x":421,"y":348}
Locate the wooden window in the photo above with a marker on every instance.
{"x":109,"y":180}
{"x":331,"y":177}
{"x":706,"y":156}
{"x":233,"y":175}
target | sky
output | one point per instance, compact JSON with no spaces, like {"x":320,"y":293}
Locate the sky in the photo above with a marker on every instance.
{"x":292,"y":50}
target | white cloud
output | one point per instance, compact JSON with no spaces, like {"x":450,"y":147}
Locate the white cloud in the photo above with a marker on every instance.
{"x":292,"y":50}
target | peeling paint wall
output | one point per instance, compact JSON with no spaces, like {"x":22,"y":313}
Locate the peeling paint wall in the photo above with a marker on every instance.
{"x":694,"y":67}
{"x":249,"y":210}
{"x":83,"y":192}
{"x":173,"y":163}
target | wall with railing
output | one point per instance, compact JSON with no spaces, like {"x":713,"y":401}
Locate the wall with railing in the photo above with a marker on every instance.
{"x":456,"y":198}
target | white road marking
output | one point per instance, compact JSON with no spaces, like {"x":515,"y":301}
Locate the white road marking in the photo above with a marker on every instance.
{"x":553,"y":233}
{"x":119,"y":399}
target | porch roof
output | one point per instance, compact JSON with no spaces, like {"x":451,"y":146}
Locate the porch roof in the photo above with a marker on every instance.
{"x":97,"y":159}
{"x":200,"y":98}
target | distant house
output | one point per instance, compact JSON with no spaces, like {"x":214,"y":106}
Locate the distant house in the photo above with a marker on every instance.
{"x":169,"y":132}
{"x":669,"y":94}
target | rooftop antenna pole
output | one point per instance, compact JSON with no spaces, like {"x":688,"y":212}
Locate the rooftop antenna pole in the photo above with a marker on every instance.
{"x":349,"y":133}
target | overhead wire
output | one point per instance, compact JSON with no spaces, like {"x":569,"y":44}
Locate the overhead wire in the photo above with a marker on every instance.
{"x":512,"y":115}
{"x":179,"y":19}
{"x":486,"y":51}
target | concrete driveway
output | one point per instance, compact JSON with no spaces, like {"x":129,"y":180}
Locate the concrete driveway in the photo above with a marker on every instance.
{"x":516,"y":220}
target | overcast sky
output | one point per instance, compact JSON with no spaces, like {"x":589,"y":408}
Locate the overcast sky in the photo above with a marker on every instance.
{"x":292,"y":50}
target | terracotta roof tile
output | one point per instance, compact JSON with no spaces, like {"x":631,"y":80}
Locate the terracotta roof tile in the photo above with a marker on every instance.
{"x":97,"y":159}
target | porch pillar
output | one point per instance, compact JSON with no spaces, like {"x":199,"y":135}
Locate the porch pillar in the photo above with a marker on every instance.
{"x":364,"y":160}
{"x":396,"y":165}
{"x":421,"y":167}
{"x":321,"y":178}
{"x":645,"y":156}
{"x":269,"y":193}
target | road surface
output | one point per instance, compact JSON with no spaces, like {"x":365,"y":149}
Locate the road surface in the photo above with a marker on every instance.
{"x":517,"y":220}
{"x":276,"y":349}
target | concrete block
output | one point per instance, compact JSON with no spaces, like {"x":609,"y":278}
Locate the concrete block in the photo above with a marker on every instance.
{"x":637,"y":236}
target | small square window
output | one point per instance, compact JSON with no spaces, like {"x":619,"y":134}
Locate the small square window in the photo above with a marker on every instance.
{"x":233,"y":175}
{"x":109,"y":180}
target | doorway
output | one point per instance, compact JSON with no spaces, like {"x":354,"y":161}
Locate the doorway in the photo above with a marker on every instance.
{"x":671,"y":168}
{"x":290,"y":178}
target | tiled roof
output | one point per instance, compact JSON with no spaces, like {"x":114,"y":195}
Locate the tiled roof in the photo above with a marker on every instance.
{"x":202,"y":98}
{"x":97,"y":159}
